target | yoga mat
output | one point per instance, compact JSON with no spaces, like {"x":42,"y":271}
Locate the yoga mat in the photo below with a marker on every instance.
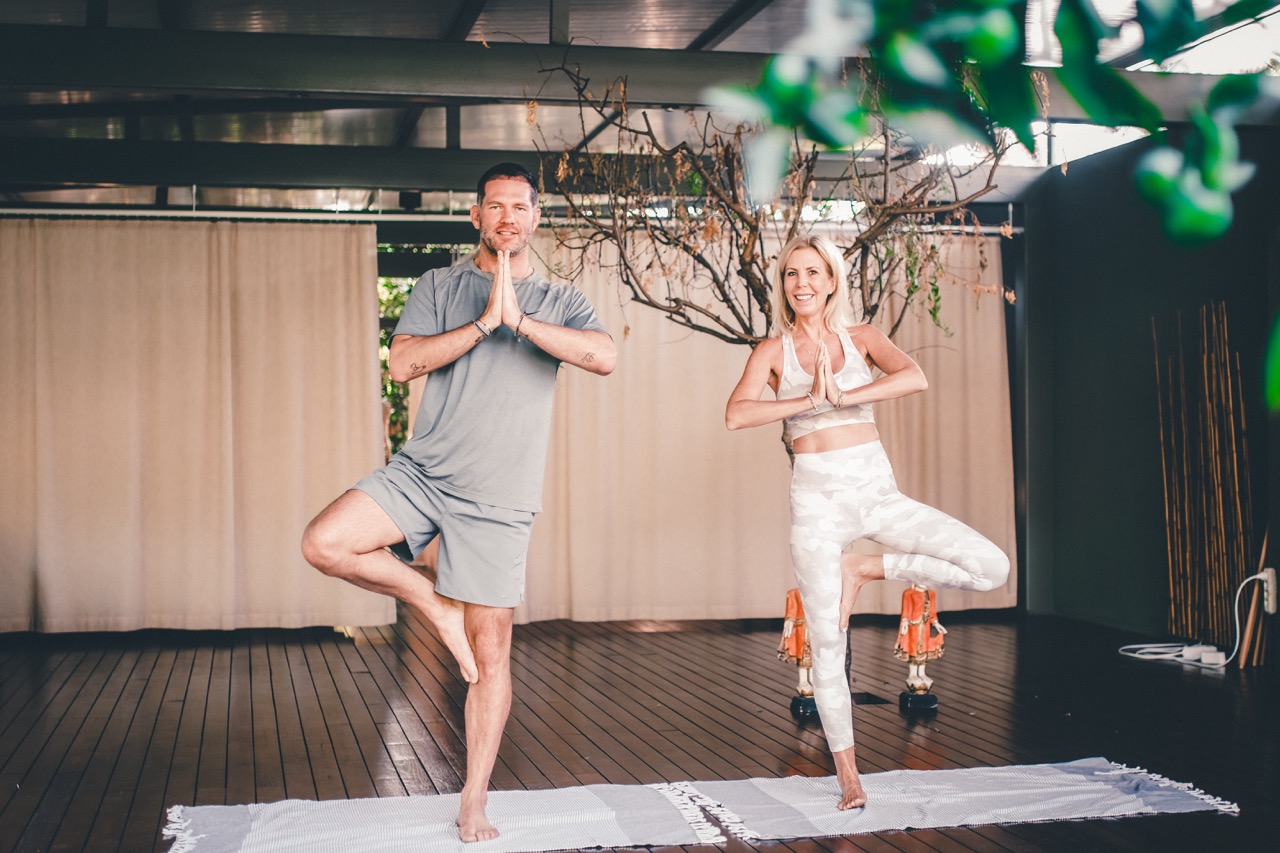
{"x":803,"y":807}
{"x":677,"y":813}
{"x":557,"y":819}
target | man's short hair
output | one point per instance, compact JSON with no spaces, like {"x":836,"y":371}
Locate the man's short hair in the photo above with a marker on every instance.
{"x":507,"y":170}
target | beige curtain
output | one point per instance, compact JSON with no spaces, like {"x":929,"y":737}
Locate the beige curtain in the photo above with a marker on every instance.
{"x":179,"y":399}
{"x":653,"y":510}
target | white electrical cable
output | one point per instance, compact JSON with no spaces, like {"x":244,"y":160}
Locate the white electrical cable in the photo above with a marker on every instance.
{"x":1174,"y":651}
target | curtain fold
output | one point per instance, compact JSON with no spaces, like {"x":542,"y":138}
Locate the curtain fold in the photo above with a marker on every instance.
{"x":198,"y":391}
{"x":653,"y":510}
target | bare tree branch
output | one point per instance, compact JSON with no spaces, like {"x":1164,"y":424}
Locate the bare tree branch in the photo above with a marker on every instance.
{"x":691,"y":245}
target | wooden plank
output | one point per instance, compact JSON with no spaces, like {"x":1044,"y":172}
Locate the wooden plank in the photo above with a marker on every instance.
{"x":318,"y":742}
{"x":184,"y":766}
{"x":150,"y":801}
{"x":38,"y":759}
{"x":268,"y":762}
{"x":241,"y":785}
{"x":363,"y":711}
{"x":95,"y":770}
{"x":306,"y":755}
{"x":108,"y":831}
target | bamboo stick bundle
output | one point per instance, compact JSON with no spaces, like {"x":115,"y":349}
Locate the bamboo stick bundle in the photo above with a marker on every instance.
{"x":1205,"y":478}
{"x":1170,"y":532}
{"x":1192,"y":588}
{"x":1251,"y":640}
{"x":1213,"y":492}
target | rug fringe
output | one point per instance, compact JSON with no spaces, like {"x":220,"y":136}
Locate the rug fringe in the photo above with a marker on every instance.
{"x":1224,"y":806}
{"x":690,"y":803}
{"x":176,"y":828}
{"x":727,"y":817}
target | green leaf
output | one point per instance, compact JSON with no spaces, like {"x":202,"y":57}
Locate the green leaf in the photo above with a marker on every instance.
{"x":986,"y":36}
{"x":1271,"y":373}
{"x":1167,"y":26}
{"x":1233,"y":92}
{"x":916,"y":61}
{"x":1078,"y":25}
{"x":835,"y":119}
{"x":767,"y":157}
{"x":739,"y":101}
{"x":1109,"y":99}
{"x":1245,"y":9}
{"x":997,"y":37}
{"x":1157,"y":173}
{"x":1215,"y":150}
{"x":1105,"y":96}
{"x":1010,"y":99}
{"x":1195,"y":213}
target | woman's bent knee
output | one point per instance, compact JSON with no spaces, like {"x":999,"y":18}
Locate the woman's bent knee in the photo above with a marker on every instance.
{"x":995,"y":569}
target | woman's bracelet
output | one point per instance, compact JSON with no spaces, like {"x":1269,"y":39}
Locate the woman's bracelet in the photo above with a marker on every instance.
{"x":840,"y":400}
{"x":812,"y":400}
{"x":484,"y":330}
{"x":518,"y":322}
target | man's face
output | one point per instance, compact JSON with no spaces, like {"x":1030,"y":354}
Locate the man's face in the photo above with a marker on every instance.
{"x":507,"y":217}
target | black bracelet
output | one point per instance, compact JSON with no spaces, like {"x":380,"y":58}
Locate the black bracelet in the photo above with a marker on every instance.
{"x":481,"y":327}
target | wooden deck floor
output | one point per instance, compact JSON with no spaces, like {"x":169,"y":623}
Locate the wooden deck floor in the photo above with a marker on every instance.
{"x":100,"y":733}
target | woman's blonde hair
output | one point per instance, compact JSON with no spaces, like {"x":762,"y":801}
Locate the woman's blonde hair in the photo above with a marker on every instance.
{"x":838,"y":312}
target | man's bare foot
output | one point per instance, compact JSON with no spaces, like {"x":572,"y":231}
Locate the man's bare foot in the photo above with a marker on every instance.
{"x":446,"y":615}
{"x":473,"y":825}
{"x":856,"y":570}
{"x":851,"y":794}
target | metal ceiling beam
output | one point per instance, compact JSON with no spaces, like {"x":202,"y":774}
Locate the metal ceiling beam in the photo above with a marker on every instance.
{"x":168,"y":106}
{"x":83,"y":58}
{"x":727,"y":24}
{"x":468,"y":14}
{"x":30,"y":163}
{"x":270,"y":63}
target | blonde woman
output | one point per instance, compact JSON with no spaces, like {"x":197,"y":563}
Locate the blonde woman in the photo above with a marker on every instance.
{"x":819,"y":367}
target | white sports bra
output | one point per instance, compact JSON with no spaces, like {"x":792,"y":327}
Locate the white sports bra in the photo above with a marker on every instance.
{"x":796,"y":383}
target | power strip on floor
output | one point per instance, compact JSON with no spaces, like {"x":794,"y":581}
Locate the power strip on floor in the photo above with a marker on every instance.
{"x":1269,"y":590}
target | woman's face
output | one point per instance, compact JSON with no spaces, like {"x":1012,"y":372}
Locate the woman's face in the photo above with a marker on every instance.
{"x":807,"y":283}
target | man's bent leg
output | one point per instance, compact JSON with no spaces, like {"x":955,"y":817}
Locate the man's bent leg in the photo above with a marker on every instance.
{"x":488,"y":705}
{"x":347,"y":540}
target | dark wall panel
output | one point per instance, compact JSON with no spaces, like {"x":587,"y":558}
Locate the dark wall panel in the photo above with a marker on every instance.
{"x":1110,"y":272}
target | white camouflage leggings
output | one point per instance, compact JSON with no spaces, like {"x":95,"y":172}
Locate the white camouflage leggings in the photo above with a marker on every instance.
{"x":839,"y":497}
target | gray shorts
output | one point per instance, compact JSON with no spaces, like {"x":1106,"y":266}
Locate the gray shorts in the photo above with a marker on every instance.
{"x":482,"y":547}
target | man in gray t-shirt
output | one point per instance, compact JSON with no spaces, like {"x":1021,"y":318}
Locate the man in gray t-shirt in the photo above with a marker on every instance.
{"x":492,"y":334}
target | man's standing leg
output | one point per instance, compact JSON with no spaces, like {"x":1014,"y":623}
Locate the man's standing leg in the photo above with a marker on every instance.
{"x":487,"y":708}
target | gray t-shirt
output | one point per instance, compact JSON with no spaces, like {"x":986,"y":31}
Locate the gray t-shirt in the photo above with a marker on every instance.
{"x":482,"y":427}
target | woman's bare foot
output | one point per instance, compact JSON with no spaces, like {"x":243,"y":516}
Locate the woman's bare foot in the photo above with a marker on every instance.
{"x":851,"y":794}
{"x":445,"y":615}
{"x":473,"y":825}
{"x":856,"y":570}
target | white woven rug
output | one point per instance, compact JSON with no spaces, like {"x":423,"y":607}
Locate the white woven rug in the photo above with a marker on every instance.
{"x":801,"y":807}
{"x":676,"y":814}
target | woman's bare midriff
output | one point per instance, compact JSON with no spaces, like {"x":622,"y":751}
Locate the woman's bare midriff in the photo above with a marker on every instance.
{"x":835,"y":438}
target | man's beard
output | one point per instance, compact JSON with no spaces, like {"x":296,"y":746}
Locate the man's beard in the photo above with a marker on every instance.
{"x":490,"y":243}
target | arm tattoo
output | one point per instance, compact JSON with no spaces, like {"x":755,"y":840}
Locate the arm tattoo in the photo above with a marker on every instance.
{"x":588,"y":358}
{"x":417,"y":369}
